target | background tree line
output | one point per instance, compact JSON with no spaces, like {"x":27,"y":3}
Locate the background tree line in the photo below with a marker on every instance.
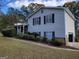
{"x":16,"y":15}
{"x":74,"y":8}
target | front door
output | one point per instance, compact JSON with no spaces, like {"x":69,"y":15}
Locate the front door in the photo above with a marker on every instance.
{"x":70,"y":37}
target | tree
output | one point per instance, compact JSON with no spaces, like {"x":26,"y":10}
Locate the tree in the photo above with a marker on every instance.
{"x":25,"y":10}
{"x":74,"y":7}
{"x":31,"y":8}
{"x":3,"y":21}
{"x":35,"y":6}
{"x":12,"y":16}
{"x":15,"y":15}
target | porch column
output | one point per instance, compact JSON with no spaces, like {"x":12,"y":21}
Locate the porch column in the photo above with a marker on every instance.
{"x":23,"y":28}
{"x":17,"y":30}
{"x":20,"y":30}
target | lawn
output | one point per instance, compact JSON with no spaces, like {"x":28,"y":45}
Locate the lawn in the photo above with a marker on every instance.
{"x":14,"y":49}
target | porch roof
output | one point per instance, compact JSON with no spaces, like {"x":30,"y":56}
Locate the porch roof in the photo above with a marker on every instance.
{"x":18,"y":24}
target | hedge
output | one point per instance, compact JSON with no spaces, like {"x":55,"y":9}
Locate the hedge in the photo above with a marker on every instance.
{"x":9,"y":32}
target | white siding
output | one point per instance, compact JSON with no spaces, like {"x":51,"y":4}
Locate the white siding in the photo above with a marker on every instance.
{"x":58,"y":27}
{"x":69,"y":25}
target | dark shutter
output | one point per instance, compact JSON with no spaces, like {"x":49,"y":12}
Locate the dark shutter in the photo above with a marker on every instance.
{"x":53,"y":35}
{"x":44,"y":20}
{"x":39,"y":33}
{"x":39,"y":20}
{"x":53,"y":20}
{"x":44,"y":34}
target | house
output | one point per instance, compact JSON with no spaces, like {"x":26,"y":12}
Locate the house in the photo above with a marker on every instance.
{"x":53,"y":22}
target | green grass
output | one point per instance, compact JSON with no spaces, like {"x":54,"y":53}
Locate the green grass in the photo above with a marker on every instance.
{"x":15,"y":49}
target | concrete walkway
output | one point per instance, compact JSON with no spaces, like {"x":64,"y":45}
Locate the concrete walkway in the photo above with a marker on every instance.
{"x":40,"y":44}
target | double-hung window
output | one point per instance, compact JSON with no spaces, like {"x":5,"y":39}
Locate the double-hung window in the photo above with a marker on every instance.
{"x":49,"y":35}
{"x":49,"y":18}
{"x":37,"y":21}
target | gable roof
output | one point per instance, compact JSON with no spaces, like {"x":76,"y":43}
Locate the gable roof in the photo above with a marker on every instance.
{"x":58,"y":8}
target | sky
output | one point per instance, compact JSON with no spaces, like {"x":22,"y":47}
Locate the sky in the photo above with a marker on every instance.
{"x":19,"y":3}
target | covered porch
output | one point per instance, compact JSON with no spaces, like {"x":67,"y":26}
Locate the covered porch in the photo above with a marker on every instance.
{"x":21,"y":28}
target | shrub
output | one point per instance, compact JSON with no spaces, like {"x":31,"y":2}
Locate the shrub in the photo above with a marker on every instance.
{"x":32,"y":37}
{"x":26,"y":36}
{"x":28,"y":33}
{"x":49,"y":41}
{"x":57,"y":42}
{"x":44,"y":39}
{"x":17,"y":36}
{"x":38,"y":38}
{"x":20,"y":36}
{"x":34,"y":34}
{"x":77,"y":36}
{"x":8,"y":32}
{"x":77,"y":39}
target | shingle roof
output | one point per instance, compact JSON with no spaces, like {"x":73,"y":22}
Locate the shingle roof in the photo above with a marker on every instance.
{"x":61,"y":8}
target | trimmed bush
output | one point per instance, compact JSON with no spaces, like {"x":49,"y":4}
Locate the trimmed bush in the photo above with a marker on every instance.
{"x":8,"y":32}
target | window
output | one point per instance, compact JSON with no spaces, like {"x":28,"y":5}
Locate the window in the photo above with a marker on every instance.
{"x":37,"y":21}
{"x":44,"y":34}
{"x":49,"y":18}
{"x":53,"y":35}
{"x":49,"y":35}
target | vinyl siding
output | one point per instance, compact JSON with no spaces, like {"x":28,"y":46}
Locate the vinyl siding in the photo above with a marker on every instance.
{"x":58,"y":26}
{"x":69,"y":25}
